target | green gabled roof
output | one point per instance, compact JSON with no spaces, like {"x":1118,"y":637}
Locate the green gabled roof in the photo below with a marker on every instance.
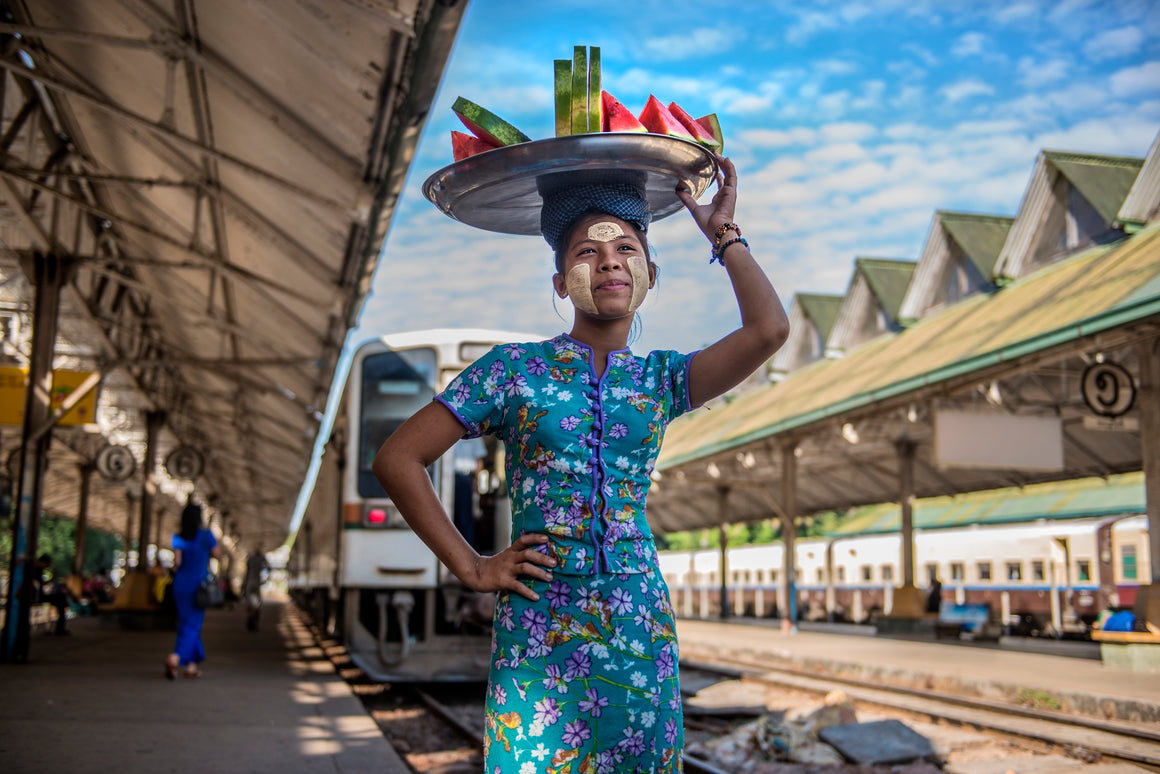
{"x":1100,"y":288}
{"x":888,"y":280}
{"x":981,"y":237}
{"x":1103,"y":180}
{"x":1075,"y":499}
{"x":822,"y":309}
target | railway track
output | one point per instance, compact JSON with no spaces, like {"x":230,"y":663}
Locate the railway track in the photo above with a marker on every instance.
{"x":1074,"y":736}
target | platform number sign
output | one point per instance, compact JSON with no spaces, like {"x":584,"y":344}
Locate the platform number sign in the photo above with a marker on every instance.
{"x":1108,"y":389}
{"x":184,"y":462}
{"x":116,"y":463}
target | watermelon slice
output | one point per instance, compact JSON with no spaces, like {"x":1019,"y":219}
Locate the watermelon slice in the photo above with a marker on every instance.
{"x":595,"y":114}
{"x":618,"y":118}
{"x":699,"y":133}
{"x":710,"y":124}
{"x":658,"y":120}
{"x":486,"y":125}
{"x":464,"y":145}
{"x":563,"y":89}
{"x":580,"y":90}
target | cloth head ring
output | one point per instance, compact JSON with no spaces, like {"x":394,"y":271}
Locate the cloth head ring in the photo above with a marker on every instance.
{"x":567,"y":196}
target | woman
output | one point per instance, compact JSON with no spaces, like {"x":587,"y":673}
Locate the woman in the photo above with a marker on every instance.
{"x":584,"y":656}
{"x":192,"y":549}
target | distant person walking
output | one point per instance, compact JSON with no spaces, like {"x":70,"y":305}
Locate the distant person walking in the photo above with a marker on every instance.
{"x":257,"y":569}
{"x":934,"y":596}
{"x":192,"y":549}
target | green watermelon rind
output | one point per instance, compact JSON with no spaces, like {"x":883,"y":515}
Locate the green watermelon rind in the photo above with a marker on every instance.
{"x":486,"y":125}
{"x":699,"y":133}
{"x":595,"y":108}
{"x":713,"y":126}
{"x":563,"y":94}
{"x":580,"y":90}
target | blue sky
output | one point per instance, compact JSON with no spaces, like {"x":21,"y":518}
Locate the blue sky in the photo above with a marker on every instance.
{"x":850,"y":124}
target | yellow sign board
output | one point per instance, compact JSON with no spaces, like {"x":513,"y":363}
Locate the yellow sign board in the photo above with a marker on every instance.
{"x":14,"y":381}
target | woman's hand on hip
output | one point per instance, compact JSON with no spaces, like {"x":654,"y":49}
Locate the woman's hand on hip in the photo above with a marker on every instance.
{"x":503,"y":571}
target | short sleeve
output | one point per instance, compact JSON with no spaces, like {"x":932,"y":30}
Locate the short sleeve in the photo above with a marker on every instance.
{"x":476,"y":397}
{"x":672,"y":370}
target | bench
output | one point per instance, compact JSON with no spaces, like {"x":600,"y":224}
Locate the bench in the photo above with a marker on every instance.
{"x":972,"y":620}
{"x":1134,"y":651}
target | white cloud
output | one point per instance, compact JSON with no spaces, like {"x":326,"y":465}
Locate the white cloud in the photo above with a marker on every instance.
{"x":970,"y":44}
{"x":777,"y":138}
{"x":1132,"y":81}
{"x":1020,"y":12}
{"x":1034,"y":74}
{"x":964,"y":89}
{"x":1114,"y":44}
{"x":694,"y":44}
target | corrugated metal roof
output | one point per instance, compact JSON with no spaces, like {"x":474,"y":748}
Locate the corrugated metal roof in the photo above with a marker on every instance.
{"x":1143,"y":200}
{"x":1078,"y":499}
{"x":1062,"y":301}
{"x":981,"y":237}
{"x":888,"y":279}
{"x":822,"y":309}
{"x":1103,"y":180}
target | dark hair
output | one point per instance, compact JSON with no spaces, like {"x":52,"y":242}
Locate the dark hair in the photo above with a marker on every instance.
{"x":190,"y":521}
{"x":566,"y":237}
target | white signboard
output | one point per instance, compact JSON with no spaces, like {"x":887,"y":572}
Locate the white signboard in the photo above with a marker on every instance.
{"x":978,"y":439}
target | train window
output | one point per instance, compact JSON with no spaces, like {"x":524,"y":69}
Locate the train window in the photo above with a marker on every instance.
{"x":749,"y":576}
{"x":394,"y":386}
{"x":931,"y":571}
{"x":1037,"y":571}
{"x":712,"y":577}
{"x":984,"y":569}
{"x":867,"y":572}
{"x":761,"y":576}
{"x":1014,"y":571}
{"x":773,"y":576}
{"x":841,"y":575}
{"x":1128,"y":562}
{"x":1083,"y":569}
{"x":887,"y":572}
{"x":958,"y":572}
{"x":821,"y":575}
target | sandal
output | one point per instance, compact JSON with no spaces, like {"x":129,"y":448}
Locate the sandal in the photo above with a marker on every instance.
{"x":170,"y":667}
{"x":192,"y":671}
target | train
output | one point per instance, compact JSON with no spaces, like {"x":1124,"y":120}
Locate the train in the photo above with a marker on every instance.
{"x":1048,"y":577}
{"x":355,"y":567}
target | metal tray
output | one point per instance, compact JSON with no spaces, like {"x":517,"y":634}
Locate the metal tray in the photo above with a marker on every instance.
{"x":498,"y":190}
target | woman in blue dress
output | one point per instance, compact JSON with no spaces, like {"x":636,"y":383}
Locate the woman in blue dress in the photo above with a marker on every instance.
{"x":584,"y":656}
{"x":192,"y":548}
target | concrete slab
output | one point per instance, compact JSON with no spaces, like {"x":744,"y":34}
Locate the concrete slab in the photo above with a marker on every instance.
{"x":98,"y":701}
{"x":881,"y":742}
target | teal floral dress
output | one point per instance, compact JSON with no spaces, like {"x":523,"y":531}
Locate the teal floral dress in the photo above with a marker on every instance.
{"x":584,"y":680}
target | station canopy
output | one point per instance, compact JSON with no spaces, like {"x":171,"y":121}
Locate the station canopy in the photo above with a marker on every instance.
{"x":1019,"y":352}
{"x":215,"y":180}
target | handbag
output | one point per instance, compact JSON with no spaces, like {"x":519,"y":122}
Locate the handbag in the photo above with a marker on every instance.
{"x":208,"y":594}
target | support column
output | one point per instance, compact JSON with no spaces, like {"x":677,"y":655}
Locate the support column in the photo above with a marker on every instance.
{"x":49,"y":273}
{"x":153,"y":422}
{"x":722,"y":515}
{"x":1148,"y":599}
{"x":787,"y":606}
{"x":909,"y":602}
{"x":82,"y":536}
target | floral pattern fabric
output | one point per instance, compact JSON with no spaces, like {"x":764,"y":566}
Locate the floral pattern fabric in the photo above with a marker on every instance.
{"x":584,"y":680}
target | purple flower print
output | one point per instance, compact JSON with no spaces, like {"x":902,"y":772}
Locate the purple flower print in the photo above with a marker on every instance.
{"x":575,"y":733}
{"x":633,"y":741}
{"x":505,"y":617}
{"x":462,"y":392}
{"x":619,"y":430}
{"x":500,"y":695}
{"x":535,"y":622}
{"x":621,"y":601}
{"x":569,"y":423}
{"x":554,"y":679}
{"x":475,"y":373}
{"x":665,"y":662}
{"x":515,"y":384}
{"x":497,"y":369}
{"x":559,"y":594}
{"x":594,"y":703}
{"x":671,"y":730}
{"x":578,"y":665}
{"x":547,"y":712}
{"x":514,"y":351}
{"x":537,"y":366}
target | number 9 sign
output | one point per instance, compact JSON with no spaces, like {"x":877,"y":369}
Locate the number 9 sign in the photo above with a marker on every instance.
{"x":1108,"y":389}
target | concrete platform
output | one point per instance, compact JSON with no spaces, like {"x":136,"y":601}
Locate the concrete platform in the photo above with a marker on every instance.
{"x":269,"y":701}
{"x":1077,"y":683}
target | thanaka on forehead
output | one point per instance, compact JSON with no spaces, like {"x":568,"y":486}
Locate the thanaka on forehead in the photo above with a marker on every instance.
{"x":605,"y":231}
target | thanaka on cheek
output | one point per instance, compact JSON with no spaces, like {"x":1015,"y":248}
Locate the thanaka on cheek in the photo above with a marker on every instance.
{"x":579,"y":284}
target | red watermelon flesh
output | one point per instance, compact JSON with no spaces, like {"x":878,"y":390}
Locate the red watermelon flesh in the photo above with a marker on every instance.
{"x":464,"y":145}
{"x":618,"y":118}
{"x":658,"y":120}
{"x":710,"y":124}
{"x":699,"y":134}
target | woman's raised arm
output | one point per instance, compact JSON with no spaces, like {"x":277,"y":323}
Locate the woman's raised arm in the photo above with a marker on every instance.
{"x":764,"y":325}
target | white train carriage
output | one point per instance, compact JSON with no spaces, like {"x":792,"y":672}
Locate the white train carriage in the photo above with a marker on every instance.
{"x":1046,"y":576}
{"x":356,"y":566}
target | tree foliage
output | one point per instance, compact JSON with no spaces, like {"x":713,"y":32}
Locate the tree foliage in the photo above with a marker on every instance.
{"x":57,"y":538}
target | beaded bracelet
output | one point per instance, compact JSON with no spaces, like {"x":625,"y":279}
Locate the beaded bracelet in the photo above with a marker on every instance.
{"x":718,"y":254}
{"x":720,"y":232}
